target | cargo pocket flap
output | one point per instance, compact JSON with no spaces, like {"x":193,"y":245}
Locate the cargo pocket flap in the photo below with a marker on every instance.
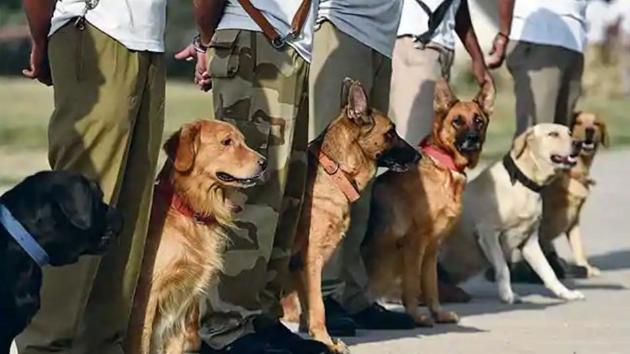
{"x":223,"y":54}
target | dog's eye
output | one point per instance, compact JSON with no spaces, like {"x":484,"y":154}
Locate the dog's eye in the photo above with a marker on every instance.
{"x":226,"y":142}
{"x":554,"y":134}
{"x":390,"y":134}
{"x":458,"y":121}
{"x":478,"y":121}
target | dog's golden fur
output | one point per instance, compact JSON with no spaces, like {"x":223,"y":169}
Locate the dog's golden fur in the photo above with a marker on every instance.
{"x":563,"y":199}
{"x":182,"y":253}
{"x":413,"y":211}
{"x":356,"y":140}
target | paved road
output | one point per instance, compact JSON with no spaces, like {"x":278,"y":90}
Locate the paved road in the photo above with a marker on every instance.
{"x":598,"y":325}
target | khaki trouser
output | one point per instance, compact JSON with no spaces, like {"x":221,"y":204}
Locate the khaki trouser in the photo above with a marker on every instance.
{"x":547,"y":82}
{"x":107,"y":124}
{"x":336,"y":56}
{"x":264,"y":92}
{"x":415,"y":72}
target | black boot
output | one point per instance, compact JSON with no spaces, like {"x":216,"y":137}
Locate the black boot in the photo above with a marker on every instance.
{"x":378,"y":317}
{"x":249,"y":344}
{"x":280,"y":336}
{"x":338,"y":321}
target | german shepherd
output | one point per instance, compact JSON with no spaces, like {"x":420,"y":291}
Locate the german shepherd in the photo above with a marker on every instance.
{"x":412,"y":212}
{"x":342,"y":161}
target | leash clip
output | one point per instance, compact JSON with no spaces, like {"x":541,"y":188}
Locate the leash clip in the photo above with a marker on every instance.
{"x":280,"y":41}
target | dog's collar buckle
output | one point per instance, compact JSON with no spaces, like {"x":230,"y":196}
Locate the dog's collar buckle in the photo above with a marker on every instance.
{"x":23,"y":237}
{"x":333,"y":169}
{"x":517,"y":175}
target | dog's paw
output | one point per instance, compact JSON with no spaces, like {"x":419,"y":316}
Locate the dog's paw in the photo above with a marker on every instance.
{"x":423,"y":321}
{"x":339,"y":347}
{"x":593,"y":271}
{"x":571,"y":295}
{"x":446,"y":317}
{"x":510,"y":298}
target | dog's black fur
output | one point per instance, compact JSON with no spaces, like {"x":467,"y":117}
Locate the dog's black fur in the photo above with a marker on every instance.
{"x":65,"y":213}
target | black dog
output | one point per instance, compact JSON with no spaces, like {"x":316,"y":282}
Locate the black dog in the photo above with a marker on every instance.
{"x":58,"y":216}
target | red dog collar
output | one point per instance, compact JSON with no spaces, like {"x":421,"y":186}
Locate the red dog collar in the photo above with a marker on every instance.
{"x":444,"y":158}
{"x":180,"y":205}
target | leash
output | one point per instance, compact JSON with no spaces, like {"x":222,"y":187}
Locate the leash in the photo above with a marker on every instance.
{"x":517,"y":175}
{"x":338,"y":176}
{"x":23,"y":237}
{"x":277,"y":40}
{"x":435,"y":19}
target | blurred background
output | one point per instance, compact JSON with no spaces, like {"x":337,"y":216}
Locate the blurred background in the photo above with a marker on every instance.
{"x":25,"y":106}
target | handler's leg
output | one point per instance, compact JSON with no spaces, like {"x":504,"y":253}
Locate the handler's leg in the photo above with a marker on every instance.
{"x":104,"y":127}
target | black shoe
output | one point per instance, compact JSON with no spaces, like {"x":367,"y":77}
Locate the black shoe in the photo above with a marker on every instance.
{"x":339,"y":323}
{"x":249,"y":344}
{"x":281,"y":337}
{"x":378,"y":317}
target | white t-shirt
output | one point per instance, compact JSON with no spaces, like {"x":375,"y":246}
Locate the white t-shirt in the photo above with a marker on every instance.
{"x":552,"y":22}
{"x":371,"y":22}
{"x":415,"y":21}
{"x":280,"y":14}
{"x":137,"y":24}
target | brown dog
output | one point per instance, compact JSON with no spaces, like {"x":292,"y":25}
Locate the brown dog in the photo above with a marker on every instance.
{"x":412,"y":212}
{"x":196,"y":194}
{"x":564,"y":198}
{"x":343,"y":160}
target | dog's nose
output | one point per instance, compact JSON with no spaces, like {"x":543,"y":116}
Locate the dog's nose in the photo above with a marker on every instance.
{"x":473,"y":136}
{"x":263,"y":164}
{"x":590,"y":131}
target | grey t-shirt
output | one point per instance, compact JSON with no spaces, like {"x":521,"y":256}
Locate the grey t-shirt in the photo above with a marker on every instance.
{"x":371,"y":22}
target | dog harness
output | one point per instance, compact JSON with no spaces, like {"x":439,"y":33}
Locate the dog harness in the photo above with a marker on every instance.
{"x":439,"y":155}
{"x":179,"y":204}
{"x":517,"y":175}
{"x":23,"y":237}
{"x":338,"y":176}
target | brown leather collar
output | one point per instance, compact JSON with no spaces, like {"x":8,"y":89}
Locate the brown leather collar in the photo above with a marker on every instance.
{"x":338,"y":176}
{"x":179,"y":204}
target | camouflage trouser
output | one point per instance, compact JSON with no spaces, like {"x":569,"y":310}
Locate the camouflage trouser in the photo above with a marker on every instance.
{"x":336,"y":56}
{"x":264,"y":92}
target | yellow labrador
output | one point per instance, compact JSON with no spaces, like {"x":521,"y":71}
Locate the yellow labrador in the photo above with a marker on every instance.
{"x":502,"y":211}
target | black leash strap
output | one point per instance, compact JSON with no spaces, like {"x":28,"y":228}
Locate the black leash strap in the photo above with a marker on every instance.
{"x":435,"y":19}
{"x":517,"y":175}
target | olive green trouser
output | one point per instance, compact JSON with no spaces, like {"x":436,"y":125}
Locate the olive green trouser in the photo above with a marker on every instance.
{"x":107,"y":124}
{"x":264,"y":92}
{"x":547,"y":83}
{"x":335,"y":57}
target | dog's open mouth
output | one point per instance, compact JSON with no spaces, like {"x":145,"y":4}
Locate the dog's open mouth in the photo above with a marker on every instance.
{"x":564,"y":161}
{"x":588,"y":146}
{"x":243,"y":182}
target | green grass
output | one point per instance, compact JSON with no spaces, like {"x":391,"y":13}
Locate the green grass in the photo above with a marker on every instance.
{"x":25,"y":107}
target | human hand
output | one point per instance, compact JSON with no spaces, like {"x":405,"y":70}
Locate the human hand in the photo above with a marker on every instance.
{"x":202,"y":77}
{"x":498,"y":51}
{"x":39,"y":68}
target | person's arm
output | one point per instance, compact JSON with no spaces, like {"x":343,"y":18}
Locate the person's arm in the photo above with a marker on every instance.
{"x":466,"y":32}
{"x":39,"y":13}
{"x":501,"y":40}
{"x":207,"y":15}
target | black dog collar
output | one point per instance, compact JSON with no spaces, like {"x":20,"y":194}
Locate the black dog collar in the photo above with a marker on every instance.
{"x":517,"y":175}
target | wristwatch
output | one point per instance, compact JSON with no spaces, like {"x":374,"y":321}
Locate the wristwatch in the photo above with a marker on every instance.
{"x":199,"y":46}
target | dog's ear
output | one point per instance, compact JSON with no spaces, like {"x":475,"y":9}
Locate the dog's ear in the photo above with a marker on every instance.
{"x":603,"y":132}
{"x":358,"y":109}
{"x":520,"y":143}
{"x":345,"y":89}
{"x":444,"y":98}
{"x":485,"y":98}
{"x":181,"y":148}
{"x":75,"y":202}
